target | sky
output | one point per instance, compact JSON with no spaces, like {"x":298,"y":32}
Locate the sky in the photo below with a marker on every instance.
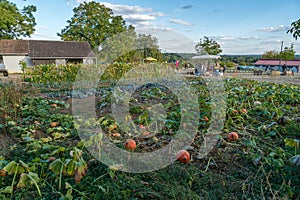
{"x":239,"y":26}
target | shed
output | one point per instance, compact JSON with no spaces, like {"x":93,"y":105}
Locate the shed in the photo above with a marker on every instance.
{"x":36,"y":52}
{"x":278,"y":64}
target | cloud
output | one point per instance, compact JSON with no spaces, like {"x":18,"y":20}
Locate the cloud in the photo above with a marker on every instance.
{"x":181,"y":22}
{"x":136,"y":15}
{"x":81,"y":1}
{"x":275,"y":29}
{"x":270,"y":42}
{"x":222,"y":38}
{"x":249,"y":38}
{"x":186,"y":7}
{"x":153,"y":28}
{"x":42,"y":36}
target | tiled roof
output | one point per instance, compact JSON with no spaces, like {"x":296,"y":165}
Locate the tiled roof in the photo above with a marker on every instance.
{"x":47,"y":49}
{"x":12,"y":47}
{"x":277,"y":62}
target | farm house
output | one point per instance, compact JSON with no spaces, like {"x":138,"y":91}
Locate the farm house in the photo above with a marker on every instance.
{"x":37,"y":52}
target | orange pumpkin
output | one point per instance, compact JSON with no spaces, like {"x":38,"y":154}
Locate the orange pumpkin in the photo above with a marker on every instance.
{"x":244,"y":110}
{"x":54,"y":124}
{"x":130,"y":144}
{"x":233,"y":136}
{"x":183,"y":156}
{"x":206,"y":119}
{"x":54,"y":105}
{"x":116,"y":135}
{"x":2,"y":172}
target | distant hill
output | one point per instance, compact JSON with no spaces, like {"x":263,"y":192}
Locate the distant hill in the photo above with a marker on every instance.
{"x":237,"y":59}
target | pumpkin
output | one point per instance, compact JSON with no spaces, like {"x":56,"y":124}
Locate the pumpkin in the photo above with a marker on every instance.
{"x":206,"y":119}
{"x":54,"y":124}
{"x":244,"y":110}
{"x":116,"y":135}
{"x":130,"y":144}
{"x":2,"y":172}
{"x":233,"y":136}
{"x":183,"y":156}
{"x":54,"y":105}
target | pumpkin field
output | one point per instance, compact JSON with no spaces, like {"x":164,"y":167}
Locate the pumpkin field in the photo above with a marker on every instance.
{"x":44,"y":156}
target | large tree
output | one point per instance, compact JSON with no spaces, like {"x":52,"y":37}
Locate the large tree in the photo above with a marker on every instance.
{"x":15,"y":23}
{"x":288,"y":53}
{"x":208,"y":46}
{"x":295,"y":29}
{"x":92,"y":22}
{"x":271,"y":54}
{"x":148,"y":46}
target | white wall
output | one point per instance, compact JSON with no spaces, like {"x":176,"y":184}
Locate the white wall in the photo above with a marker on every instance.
{"x":89,"y":61}
{"x":12,"y":63}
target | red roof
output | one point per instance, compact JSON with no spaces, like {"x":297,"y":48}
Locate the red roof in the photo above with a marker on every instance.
{"x":277,"y":62}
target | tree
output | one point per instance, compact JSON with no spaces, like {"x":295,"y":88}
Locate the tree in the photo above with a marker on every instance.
{"x":129,"y":47}
{"x":271,"y":54}
{"x":295,"y":29}
{"x":15,"y":23}
{"x":148,"y":46}
{"x":92,"y":22}
{"x":288,"y":53}
{"x":209,"y":46}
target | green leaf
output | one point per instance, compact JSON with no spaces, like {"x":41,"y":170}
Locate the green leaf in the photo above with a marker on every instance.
{"x":292,"y":143}
{"x":56,"y":166}
{"x":69,"y":194}
{"x":13,"y":167}
{"x":69,"y":167}
{"x":7,"y":190}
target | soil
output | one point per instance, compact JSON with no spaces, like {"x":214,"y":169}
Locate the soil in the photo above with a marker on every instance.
{"x":292,"y":79}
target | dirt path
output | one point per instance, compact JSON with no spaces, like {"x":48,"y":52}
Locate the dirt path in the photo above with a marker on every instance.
{"x":276,"y":79}
{"x":267,"y":78}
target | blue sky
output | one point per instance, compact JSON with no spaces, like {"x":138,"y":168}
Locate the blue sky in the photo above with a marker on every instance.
{"x":239,"y":26}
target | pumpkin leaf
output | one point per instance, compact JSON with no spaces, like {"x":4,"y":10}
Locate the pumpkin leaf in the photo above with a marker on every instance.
{"x":7,"y":190}
{"x":292,"y":142}
{"x":14,"y":168}
{"x":56,"y":166}
{"x":69,"y":167}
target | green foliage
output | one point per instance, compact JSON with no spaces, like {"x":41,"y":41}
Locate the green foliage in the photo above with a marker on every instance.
{"x":288,"y":53}
{"x":262,"y":164}
{"x":15,"y":23}
{"x":295,"y":29}
{"x":10,"y":99}
{"x":271,"y":54}
{"x":52,"y":73}
{"x":208,"y":46}
{"x":92,"y":22}
{"x":240,"y":59}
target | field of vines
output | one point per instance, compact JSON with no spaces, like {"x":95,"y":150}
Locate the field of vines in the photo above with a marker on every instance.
{"x":44,"y":156}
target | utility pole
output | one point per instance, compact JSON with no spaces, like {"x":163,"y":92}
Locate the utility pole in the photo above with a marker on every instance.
{"x":280,"y":54}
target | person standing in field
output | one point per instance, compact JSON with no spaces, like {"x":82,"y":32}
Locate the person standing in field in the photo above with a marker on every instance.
{"x":177,"y":64}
